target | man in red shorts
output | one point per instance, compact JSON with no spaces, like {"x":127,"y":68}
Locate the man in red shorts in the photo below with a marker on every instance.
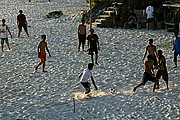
{"x":42,"y":53}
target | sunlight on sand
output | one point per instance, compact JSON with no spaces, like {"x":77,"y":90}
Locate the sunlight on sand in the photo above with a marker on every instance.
{"x":93,"y":94}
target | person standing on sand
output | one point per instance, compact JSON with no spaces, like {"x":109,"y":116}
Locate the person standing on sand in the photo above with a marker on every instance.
{"x":150,"y":15}
{"x":151,"y":49}
{"x":81,"y":35}
{"x":176,"y":47}
{"x":84,"y":78}
{"x":162,"y":70}
{"x":41,"y":53}
{"x":93,"y":45}
{"x":4,"y":34}
{"x":21,"y":22}
{"x":148,"y":74}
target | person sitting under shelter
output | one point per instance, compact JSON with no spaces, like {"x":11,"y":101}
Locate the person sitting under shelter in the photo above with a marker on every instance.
{"x":131,"y":20}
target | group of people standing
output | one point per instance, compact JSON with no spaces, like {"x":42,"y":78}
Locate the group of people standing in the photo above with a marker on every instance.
{"x":92,"y":41}
{"x":22,"y":23}
{"x":93,"y":47}
{"x":156,"y":60}
{"x":4,"y":29}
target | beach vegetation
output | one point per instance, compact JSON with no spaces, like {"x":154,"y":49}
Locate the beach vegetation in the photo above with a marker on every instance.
{"x":97,"y":3}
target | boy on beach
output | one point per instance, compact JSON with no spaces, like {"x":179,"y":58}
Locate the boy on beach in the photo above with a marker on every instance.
{"x":81,"y":35}
{"x":42,"y":53}
{"x":151,"y":49}
{"x":4,"y":29}
{"x":85,"y":76}
{"x":176,"y":47}
{"x":162,"y":70}
{"x":93,"y":45}
{"x":148,"y":74}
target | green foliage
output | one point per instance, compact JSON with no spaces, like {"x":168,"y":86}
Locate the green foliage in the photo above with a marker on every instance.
{"x":167,"y":44}
{"x":97,"y":3}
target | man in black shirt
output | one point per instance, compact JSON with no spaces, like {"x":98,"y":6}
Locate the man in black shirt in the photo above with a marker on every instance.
{"x":93,"y":45}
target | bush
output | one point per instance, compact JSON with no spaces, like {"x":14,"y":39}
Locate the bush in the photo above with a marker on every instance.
{"x":97,"y":3}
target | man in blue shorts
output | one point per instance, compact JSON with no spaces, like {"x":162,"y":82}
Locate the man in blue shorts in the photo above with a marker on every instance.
{"x":4,"y":30}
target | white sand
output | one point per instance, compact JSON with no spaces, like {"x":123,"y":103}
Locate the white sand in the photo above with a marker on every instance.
{"x":48,"y":96}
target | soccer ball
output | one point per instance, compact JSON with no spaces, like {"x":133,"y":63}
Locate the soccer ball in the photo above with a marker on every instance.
{"x":111,"y":90}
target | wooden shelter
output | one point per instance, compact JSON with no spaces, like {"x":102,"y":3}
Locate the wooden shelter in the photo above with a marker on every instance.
{"x":172,"y":16}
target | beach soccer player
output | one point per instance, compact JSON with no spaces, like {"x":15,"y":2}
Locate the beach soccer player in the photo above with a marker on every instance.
{"x":151,"y":49}
{"x":93,"y":45}
{"x":148,"y":74}
{"x":176,"y":47}
{"x":22,"y":23}
{"x":42,"y":53}
{"x":84,"y":78}
{"x":162,"y":70}
{"x":4,"y":29}
{"x":81,"y":35}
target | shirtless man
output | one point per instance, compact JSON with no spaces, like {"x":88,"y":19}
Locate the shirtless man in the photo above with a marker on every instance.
{"x":151,"y":49}
{"x":81,"y":35}
{"x":42,"y":53}
{"x":162,"y":70}
{"x":148,"y":75}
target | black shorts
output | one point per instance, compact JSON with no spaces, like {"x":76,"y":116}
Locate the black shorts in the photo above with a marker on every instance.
{"x":22,"y":26}
{"x":150,"y":20}
{"x":82,"y":38}
{"x":85,"y":85}
{"x":92,"y":50}
{"x":148,"y":77}
{"x":155,"y":61}
{"x":162,"y":73}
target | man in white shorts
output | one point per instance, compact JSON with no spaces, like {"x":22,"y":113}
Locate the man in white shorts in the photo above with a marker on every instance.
{"x":85,"y":76}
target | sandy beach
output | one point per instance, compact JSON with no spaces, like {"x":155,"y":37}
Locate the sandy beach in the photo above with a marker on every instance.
{"x":49,"y":96}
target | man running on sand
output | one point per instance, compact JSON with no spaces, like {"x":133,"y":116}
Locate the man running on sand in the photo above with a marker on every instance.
{"x":41,"y":53}
{"x":85,"y":76}
{"x":81,"y":35}
{"x":93,"y":45}
{"x":4,"y":34}
{"x":162,"y":70}
{"x":151,"y":49}
{"x":148,"y":75}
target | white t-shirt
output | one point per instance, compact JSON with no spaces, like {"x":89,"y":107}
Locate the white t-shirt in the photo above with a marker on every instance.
{"x":4,"y":31}
{"x":149,"y":12}
{"x":86,"y":75}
